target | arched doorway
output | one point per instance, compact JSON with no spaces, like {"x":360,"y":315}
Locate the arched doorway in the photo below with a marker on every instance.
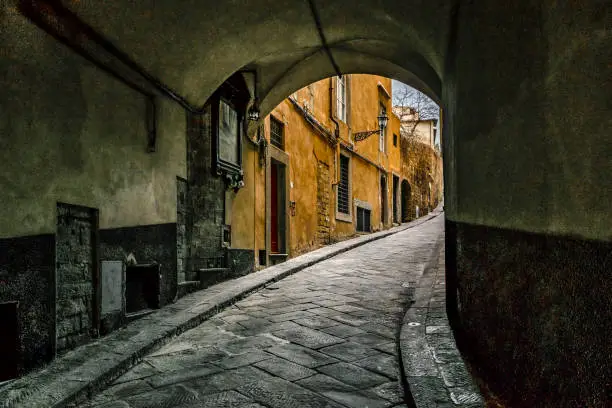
{"x":406,"y":193}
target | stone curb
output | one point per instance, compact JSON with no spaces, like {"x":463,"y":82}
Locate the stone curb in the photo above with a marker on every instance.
{"x":433,"y":370}
{"x":80,"y":373}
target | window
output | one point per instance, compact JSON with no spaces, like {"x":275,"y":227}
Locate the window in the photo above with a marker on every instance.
{"x":343,"y":186}
{"x":382,"y":112}
{"x":277,"y":136}
{"x":341,"y":98}
{"x":435,"y":131}
{"x":363,"y":219}
{"x":394,"y":140}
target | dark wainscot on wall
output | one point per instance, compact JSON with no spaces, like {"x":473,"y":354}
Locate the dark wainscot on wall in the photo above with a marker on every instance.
{"x":524,"y":297}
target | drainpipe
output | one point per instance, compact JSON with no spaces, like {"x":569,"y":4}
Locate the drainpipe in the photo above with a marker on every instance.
{"x":337,"y":135}
{"x":331,"y":109}
{"x":337,"y":129}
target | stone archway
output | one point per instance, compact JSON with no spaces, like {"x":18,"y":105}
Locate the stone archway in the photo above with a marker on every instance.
{"x":486,"y":62}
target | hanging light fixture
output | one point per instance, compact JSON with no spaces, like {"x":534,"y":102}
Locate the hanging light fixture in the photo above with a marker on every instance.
{"x":253,"y":113}
{"x":382,"y":121}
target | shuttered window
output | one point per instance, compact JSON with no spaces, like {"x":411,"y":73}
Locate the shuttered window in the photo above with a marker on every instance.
{"x":343,"y":186}
{"x":277,"y":137}
{"x":341,"y":98}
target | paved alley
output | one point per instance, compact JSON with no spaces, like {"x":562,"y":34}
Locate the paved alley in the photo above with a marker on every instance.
{"x":324,"y":337}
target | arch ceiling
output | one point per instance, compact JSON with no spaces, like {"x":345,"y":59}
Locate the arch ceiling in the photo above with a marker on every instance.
{"x":193,"y":45}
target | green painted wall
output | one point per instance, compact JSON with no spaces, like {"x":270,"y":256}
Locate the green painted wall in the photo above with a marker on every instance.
{"x":71,"y":133}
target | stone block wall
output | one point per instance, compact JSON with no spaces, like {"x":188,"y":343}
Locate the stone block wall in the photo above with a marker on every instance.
{"x":206,"y":198}
{"x":323,"y":204}
{"x":27,"y":276}
{"x":241,"y":261}
{"x":181,"y":228}
{"x":75,"y":265}
{"x":421,"y":165}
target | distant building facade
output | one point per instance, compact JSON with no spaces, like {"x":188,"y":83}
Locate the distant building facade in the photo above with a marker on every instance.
{"x":314,"y":184}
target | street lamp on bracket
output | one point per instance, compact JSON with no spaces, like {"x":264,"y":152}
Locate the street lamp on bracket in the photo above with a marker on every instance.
{"x":382,"y":124}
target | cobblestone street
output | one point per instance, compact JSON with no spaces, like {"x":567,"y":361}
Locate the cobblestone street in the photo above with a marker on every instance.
{"x":324,"y":337}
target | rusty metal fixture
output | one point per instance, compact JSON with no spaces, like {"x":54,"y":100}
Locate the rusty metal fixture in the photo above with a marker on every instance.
{"x":382,"y":124}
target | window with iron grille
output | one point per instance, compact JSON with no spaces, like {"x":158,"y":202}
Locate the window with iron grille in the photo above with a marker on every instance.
{"x":363,"y":219}
{"x":343,"y":186}
{"x":277,"y":137}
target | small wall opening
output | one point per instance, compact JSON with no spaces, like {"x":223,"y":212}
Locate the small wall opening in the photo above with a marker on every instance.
{"x":142,"y":288}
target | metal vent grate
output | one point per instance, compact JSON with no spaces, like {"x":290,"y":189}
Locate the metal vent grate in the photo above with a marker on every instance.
{"x":343,"y":186}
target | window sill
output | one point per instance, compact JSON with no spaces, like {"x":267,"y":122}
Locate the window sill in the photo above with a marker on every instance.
{"x":344,"y":217}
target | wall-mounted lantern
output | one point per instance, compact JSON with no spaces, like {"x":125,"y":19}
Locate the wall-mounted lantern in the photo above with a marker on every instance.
{"x":253,"y":113}
{"x":382,"y":124}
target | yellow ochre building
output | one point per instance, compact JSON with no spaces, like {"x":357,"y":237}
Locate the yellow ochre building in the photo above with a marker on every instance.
{"x":314,"y":183}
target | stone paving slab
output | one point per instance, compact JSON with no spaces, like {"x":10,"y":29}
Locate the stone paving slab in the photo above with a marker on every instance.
{"x":343,"y":393}
{"x":86,"y":370}
{"x":263,"y":363}
{"x":433,"y":367}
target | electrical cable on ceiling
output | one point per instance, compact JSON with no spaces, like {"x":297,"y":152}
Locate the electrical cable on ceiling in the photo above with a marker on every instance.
{"x":317,"y":19}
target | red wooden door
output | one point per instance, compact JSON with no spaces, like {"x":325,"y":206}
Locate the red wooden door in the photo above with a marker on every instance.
{"x":274,"y":247}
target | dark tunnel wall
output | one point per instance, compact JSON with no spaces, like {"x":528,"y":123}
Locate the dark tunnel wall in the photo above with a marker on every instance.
{"x":527,"y":90}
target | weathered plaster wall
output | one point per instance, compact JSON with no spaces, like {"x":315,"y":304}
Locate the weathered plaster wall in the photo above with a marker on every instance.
{"x":73,"y":134}
{"x":394,"y":152}
{"x":366,"y":97}
{"x":313,"y":220}
{"x":537,"y":102}
{"x":243,"y":202}
{"x":305,"y":149}
{"x":366,"y":188}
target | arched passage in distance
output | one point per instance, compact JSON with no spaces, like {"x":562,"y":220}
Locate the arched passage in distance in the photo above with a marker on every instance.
{"x":406,"y":195}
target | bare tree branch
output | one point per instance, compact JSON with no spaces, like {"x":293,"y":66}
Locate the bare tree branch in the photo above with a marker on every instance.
{"x":413,"y":107}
